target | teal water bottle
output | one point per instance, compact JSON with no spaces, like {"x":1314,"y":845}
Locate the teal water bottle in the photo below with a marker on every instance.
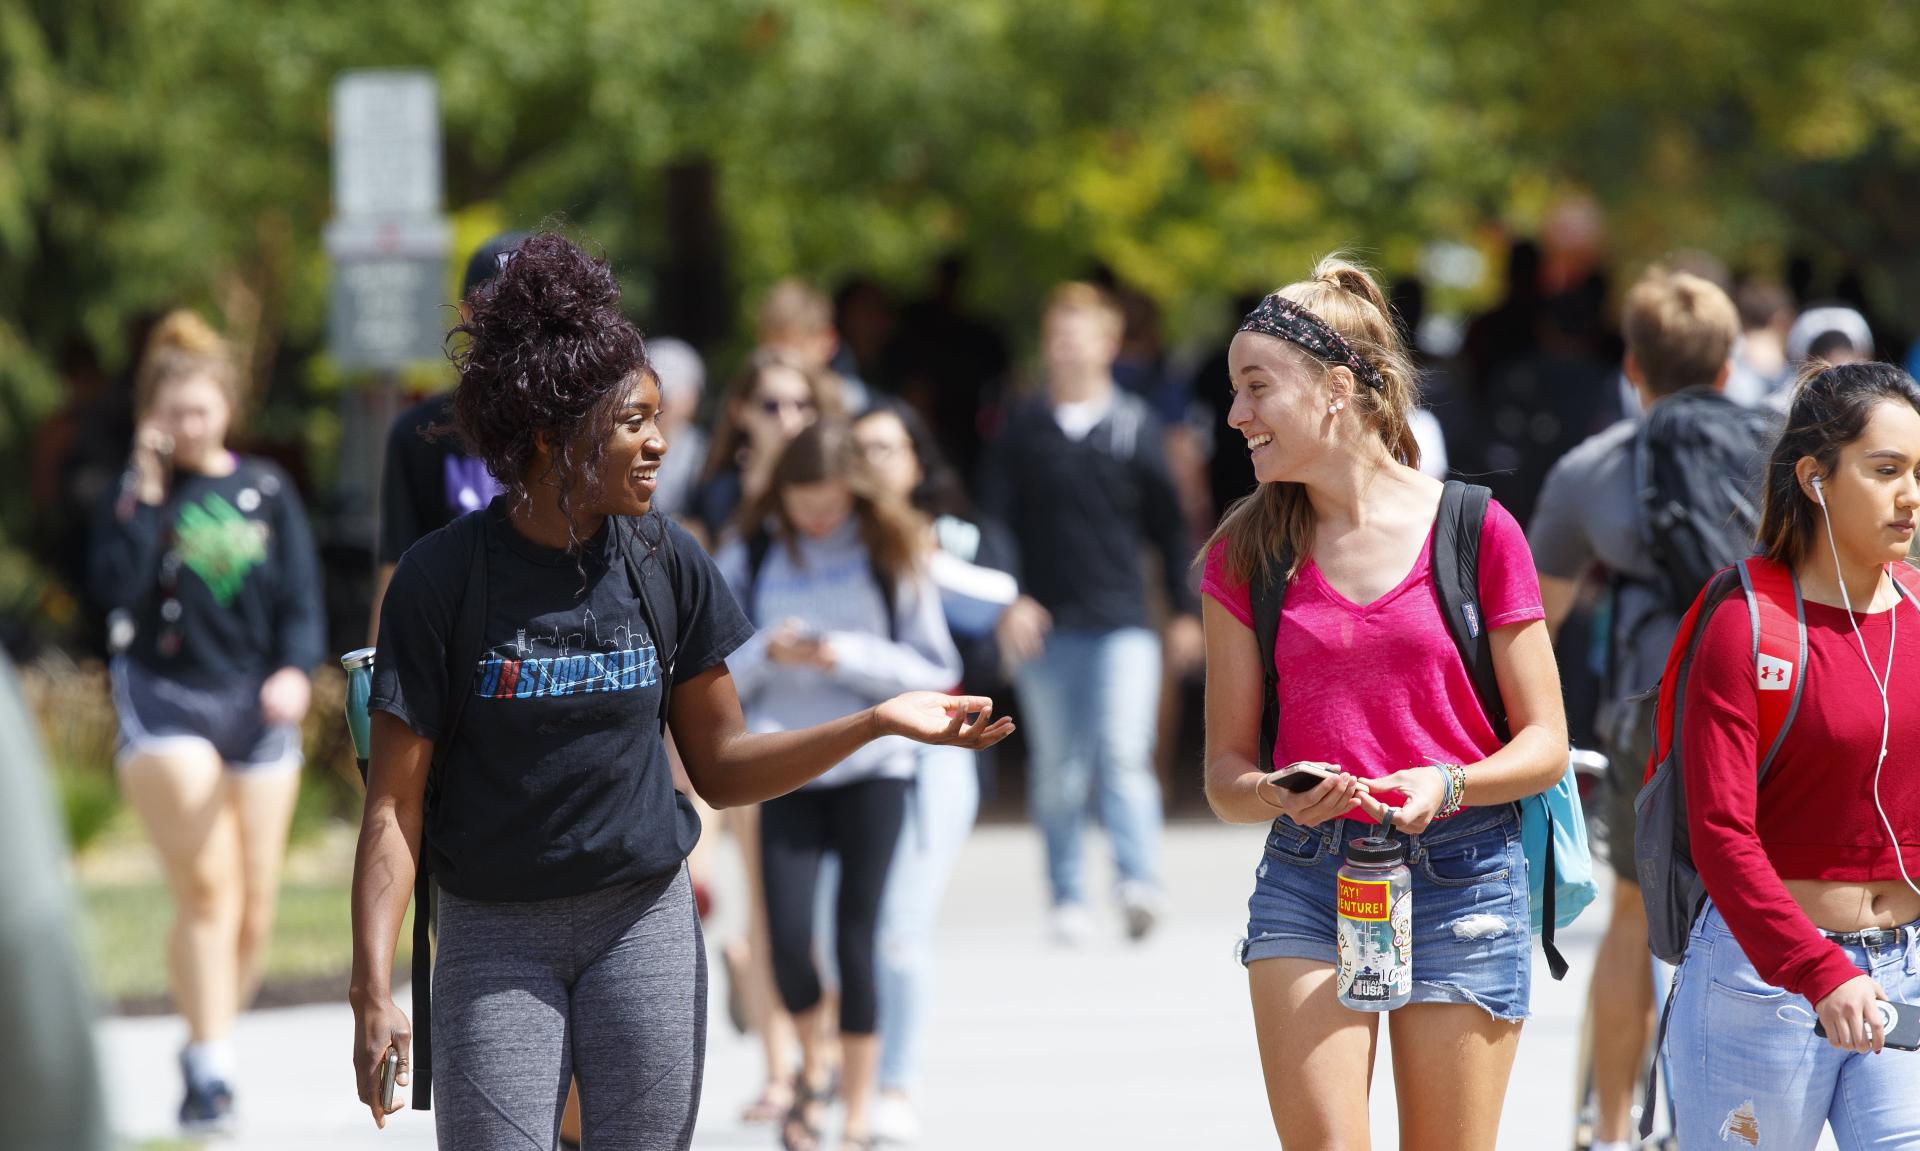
{"x":359,"y":666}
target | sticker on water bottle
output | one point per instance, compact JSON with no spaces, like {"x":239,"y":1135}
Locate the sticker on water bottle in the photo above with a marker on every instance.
{"x":1375,"y":931}
{"x":1364,"y":899}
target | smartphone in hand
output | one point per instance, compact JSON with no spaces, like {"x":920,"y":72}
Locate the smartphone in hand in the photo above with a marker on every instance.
{"x":1899,"y":1022}
{"x":389,"y":1073}
{"x":1305,"y":775}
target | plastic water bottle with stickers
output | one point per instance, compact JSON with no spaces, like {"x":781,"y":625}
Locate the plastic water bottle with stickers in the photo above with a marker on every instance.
{"x":1375,"y":926}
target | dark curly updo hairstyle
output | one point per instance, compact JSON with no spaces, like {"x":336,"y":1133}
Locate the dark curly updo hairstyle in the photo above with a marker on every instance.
{"x":547,"y":351}
{"x":1831,"y":406}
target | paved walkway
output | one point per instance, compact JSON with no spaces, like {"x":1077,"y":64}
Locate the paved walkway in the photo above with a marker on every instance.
{"x":1112,"y":1047}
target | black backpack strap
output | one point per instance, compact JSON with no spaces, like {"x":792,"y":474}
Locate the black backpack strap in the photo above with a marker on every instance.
{"x":465,"y":647}
{"x":887,"y":593}
{"x":1651,"y":1098}
{"x":759,"y":543}
{"x":662,"y":626}
{"x":1268,"y":590}
{"x":1456,"y":580}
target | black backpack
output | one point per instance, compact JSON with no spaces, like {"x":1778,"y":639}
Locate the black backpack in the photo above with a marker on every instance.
{"x":1456,"y":582}
{"x":648,"y":554}
{"x":1697,"y":464}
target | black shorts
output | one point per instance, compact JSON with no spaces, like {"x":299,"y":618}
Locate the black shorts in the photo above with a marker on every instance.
{"x":157,"y":714}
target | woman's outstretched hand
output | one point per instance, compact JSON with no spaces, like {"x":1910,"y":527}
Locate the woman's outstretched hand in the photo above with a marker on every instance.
{"x":936,"y":717}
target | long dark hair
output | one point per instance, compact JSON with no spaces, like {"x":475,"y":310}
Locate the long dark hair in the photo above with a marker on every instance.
{"x":940,"y":491}
{"x":1831,"y":406}
{"x":548,"y":351}
{"x":894,"y":534}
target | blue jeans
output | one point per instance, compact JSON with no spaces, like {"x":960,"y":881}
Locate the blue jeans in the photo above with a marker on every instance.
{"x":940,"y":812}
{"x":1742,"y":1075}
{"x":1090,"y":705}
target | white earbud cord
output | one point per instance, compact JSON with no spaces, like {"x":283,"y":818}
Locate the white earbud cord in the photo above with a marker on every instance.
{"x":1886,"y":708}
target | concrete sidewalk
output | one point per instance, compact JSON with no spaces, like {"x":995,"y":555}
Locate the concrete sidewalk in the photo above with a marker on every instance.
{"x":1115,"y":1046}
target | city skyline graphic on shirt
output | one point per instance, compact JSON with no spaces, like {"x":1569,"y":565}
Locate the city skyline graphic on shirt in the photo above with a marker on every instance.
{"x":613,"y":663}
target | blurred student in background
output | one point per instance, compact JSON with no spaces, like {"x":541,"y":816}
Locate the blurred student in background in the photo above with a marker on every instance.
{"x":768,"y":402}
{"x":428,"y":480}
{"x":1080,"y":478}
{"x":796,"y":324}
{"x":970,"y":565}
{"x":835,"y":578}
{"x":205,"y":559}
{"x":683,"y":381}
{"x":1680,"y":331}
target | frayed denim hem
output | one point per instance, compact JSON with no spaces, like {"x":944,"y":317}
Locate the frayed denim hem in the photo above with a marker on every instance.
{"x":1428,"y":991}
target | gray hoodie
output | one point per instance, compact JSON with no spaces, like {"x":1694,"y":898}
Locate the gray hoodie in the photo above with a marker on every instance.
{"x":832,"y":590}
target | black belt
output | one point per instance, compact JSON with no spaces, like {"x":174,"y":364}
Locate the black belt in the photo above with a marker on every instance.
{"x":1871,"y":937}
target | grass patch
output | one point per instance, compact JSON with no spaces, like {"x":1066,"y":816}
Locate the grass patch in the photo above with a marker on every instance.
{"x":312,"y":939}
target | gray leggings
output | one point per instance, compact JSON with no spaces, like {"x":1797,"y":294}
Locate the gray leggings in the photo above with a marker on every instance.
{"x":609,"y":987}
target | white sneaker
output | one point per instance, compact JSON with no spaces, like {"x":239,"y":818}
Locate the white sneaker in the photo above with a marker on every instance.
{"x":895,"y":1121}
{"x":1070,"y":924}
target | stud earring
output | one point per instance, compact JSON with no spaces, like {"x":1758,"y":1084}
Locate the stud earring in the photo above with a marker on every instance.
{"x":1334,"y":408}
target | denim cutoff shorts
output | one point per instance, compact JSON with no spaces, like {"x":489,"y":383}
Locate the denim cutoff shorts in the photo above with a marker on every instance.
{"x":1472,"y":921}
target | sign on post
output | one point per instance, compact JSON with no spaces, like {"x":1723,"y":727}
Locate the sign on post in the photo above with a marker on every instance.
{"x":387,"y":240}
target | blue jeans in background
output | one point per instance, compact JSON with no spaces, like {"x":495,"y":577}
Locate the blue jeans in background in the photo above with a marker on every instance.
{"x":1090,"y":705}
{"x":940,"y":813}
{"x":1744,"y":1075}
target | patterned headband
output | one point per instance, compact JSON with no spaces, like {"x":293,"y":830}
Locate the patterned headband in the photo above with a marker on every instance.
{"x":1282,"y":318}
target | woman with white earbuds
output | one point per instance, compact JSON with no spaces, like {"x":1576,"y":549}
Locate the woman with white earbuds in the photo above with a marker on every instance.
{"x":1813,"y":913}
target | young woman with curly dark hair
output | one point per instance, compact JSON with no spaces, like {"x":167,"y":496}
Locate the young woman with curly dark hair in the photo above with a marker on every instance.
{"x":567,"y":938}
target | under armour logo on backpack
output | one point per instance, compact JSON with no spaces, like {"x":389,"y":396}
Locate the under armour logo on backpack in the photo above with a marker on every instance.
{"x":1775,"y":674}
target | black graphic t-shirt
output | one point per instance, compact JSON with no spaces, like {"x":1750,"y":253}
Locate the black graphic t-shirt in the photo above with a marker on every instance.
{"x":219,"y":583}
{"x":557,"y":782}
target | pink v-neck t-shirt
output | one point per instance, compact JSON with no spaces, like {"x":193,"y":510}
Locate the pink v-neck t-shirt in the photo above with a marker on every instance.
{"x":1379,"y":688}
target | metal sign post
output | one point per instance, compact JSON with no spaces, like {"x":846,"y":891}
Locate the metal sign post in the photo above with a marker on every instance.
{"x":388,"y":242}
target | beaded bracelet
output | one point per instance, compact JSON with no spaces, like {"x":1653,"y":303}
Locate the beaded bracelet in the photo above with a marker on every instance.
{"x":1456,"y":789}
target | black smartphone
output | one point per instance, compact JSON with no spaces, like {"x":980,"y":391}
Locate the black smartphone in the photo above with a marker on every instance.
{"x":1902,"y":1023}
{"x":1304,"y":776}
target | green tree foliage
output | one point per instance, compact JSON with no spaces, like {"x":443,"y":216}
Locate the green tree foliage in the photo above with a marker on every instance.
{"x":163,"y":151}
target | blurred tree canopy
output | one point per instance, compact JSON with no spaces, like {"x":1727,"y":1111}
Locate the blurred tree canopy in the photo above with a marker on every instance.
{"x":155,"y":152}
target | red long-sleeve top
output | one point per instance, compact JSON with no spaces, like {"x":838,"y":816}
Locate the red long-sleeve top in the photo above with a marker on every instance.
{"x":1814,"y":817}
